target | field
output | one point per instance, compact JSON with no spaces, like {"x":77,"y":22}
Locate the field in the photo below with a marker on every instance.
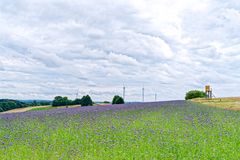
{"x":161,"y":130}
{"x":232,"y":103}
{"x":46,"y":107}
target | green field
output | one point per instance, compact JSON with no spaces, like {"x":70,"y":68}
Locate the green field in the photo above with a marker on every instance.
{"x":191,"y":131}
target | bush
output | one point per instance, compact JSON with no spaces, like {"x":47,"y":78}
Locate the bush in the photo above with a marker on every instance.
{"x":86,"y":101}
{"x":195,"y":94}
{"x":117,"y":100}
{"x":61,"y":101}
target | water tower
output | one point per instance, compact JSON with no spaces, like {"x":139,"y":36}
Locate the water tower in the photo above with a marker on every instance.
{"x":208,"y":91}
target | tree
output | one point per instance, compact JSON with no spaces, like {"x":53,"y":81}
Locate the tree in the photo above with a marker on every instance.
{"x":86,"y":101}
{"x":6,"y":104}
{"x":34,"y":103}
{"x":106,"y":102}
{"x":61,"y":101}
{"x":195,"y":94}
{"x":117,"y":100}
{"x":77,"y":101}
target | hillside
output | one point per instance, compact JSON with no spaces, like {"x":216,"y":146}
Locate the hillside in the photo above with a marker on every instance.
{"x":231,"y":103}
{"x":8,"y":104}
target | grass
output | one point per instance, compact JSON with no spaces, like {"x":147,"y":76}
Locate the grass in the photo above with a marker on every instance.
{"x":41,"y":108}
{"x":225,"y":103}
{"x":190,"y":132}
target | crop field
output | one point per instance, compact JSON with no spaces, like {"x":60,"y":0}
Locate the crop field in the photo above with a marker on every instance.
{"x":232,"y":103}
{"x":160,"y":130}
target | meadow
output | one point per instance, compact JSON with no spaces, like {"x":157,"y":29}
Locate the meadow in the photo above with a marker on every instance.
{"x":161,"y":130}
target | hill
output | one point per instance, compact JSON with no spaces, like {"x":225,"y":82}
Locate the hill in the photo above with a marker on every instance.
{"x":8,"y":104}
{"x":231,"y":103}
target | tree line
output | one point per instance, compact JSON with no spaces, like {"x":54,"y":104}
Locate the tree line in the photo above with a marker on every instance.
{"x":6,"y":104}
{"x":64,"y":101}
{"x":84,"y":101}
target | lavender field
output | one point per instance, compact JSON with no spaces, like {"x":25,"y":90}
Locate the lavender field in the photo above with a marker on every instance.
{"x":159,"y":130}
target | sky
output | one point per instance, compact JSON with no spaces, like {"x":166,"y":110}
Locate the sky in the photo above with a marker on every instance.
{"x":61,"y":47}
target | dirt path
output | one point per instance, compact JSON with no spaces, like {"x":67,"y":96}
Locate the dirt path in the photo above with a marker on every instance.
{"x":19,"y":110}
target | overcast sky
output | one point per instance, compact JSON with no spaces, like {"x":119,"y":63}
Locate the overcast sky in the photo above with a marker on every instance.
{"x":55,"y":47}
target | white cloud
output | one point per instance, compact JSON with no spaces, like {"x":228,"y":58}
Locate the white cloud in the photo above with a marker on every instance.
{"x":54,"y":47}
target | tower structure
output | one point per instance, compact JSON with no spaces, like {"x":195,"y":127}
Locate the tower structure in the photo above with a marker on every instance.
{"x":208,"y":91}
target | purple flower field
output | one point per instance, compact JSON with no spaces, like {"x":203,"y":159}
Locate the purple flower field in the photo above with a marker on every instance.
{"x":90,"y":109}
{"x":156,"y":130}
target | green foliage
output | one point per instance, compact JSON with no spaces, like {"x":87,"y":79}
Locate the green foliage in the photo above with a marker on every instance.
{"x":77,"y":101}
{"x":64,"y":101}
{"x":117,"y":100}
{"x":41,"y":109}
{"x":107,"y":102}
{"x":86,"y":101}
{"x":38,"y":103}
{"x":6,"y":105}
{"x":61,"y":101}
{"x":195,"y":94}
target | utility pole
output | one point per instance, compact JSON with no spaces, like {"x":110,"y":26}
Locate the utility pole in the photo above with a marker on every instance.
{"x":124,"y":89}
{"x":143,"y":94}
{"x":77,"y":93}
{"x":155,"y":97}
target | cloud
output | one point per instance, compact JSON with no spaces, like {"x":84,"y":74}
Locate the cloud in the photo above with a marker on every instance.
{"x":50,"y":48}
{"x":122,"y":59}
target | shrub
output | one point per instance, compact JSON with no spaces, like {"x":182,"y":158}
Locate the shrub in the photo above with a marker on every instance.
{"x":117,"y":100}
{"x":86,"y":101}
{"x":195,"y":94}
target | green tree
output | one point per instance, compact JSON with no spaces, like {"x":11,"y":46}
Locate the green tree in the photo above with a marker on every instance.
{"x":117,"y":100}
{"x":77,"y":101}
{"x":34,"y":103}
{"x":6,"y":104}
{"x":106,"y":102}
{"x":195,"y":94}
{"x":61,"y":101}
{"x":86,"y":101}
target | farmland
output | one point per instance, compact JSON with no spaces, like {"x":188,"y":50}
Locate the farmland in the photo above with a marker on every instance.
{"x":232,"y":103}
{"x":161,"y":130}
